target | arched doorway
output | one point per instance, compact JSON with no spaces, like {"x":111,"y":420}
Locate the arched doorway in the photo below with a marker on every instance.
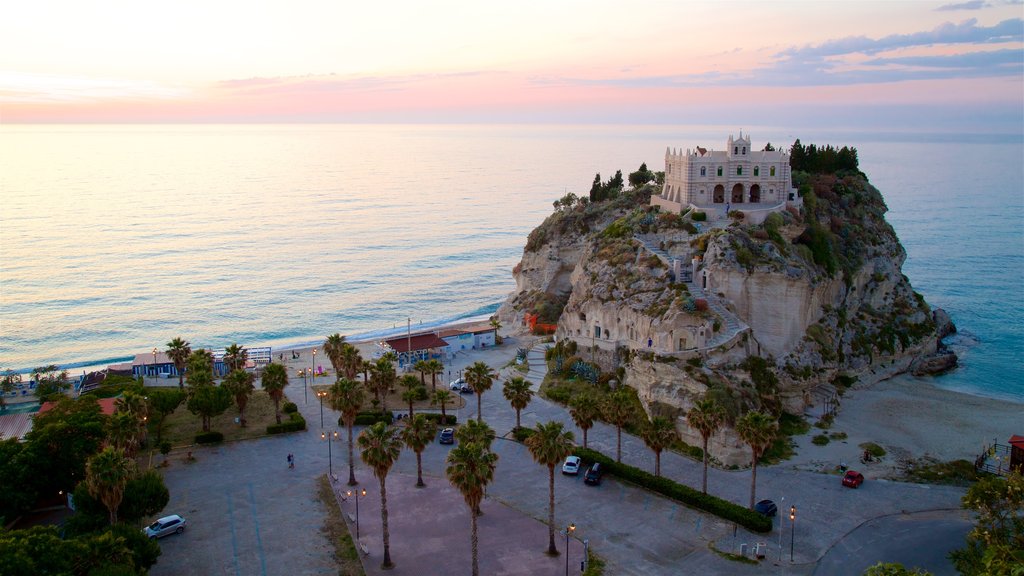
{"x":755,"y":193}
{"x":737,"y":194}
{"x":719,"y":194}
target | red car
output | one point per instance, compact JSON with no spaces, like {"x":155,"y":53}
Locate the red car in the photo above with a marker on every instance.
{"x":853,"y":479}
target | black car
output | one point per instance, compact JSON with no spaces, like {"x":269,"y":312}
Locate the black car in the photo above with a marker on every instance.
{"x":766,"y":507}
{"x":447,"y":436}
{"x":594,"y":474}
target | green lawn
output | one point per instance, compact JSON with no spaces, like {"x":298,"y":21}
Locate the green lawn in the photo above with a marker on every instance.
{"x":181,"y":426}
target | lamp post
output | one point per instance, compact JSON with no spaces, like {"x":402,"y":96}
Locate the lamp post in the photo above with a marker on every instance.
{"x":357,"y":494}
{"x":330,"y":457}
{"x":321,"y":396}
{"x":780,"y":531}
{"x":154,"y":361}
{"x":568,"y":530}
{"x":792,"y":530}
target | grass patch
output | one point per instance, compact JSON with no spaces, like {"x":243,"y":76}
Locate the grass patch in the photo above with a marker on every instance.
{"x":790,"y":425}
{"x":337,"y":532}
{"x":595,"y":565}
{"x":825,"y":422}
{"x":731,"y":556}
{"x":952,"y":473}
{"x":182,"y":426}
{"x":837,"y":436}
{"x":820,"y":440}
{"x":873,"y":449}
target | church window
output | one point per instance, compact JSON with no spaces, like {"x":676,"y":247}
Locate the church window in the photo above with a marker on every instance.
{"x":739,"y":170}
{"x":735,"y":149}
{"x":772,"y":171}
{"x":703,"y":171}
{"x":744,"y":150}
{"x":719,"y":170}
{"x":757,"y":170}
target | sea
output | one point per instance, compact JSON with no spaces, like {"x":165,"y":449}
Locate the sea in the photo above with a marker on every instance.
{"x":115,"y":239}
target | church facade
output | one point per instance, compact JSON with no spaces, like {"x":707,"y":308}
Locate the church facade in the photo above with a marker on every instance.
{"x":737,"y":178}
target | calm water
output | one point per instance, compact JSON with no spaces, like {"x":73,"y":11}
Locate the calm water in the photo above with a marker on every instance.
{"x":115,"y":239}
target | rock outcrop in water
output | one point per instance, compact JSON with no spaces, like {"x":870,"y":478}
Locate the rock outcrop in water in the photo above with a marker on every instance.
{"x":776,"y":316}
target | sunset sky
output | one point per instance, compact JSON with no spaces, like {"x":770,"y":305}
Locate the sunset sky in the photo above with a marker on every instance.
{"x":901,"y":65}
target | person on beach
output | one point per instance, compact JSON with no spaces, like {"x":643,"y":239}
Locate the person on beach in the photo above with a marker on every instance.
{"x":291,"y":461}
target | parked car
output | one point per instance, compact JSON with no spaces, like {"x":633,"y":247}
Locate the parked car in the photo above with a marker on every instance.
{"x":593,"y":474}
{"x":447,"y":436}
{"x":571,"y":466}
{"x":172,"y":524}
{"x":853,"y":479}
{"x":460,"y":385}
{"x":766,"y":507}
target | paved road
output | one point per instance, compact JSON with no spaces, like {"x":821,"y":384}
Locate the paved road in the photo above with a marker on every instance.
{"x":251,"y":515}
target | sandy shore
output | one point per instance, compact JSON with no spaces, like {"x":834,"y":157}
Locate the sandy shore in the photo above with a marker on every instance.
{"x":911,"y":418}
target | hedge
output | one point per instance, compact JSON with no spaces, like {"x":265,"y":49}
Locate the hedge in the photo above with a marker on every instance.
{"x":295,"y":423}
{"x":370,"y":418}
{"x":289,"y":408}
{"x":522,"y":433}
{"x":666,"y":487}
{"x":449,"y":420}
{"x":211,"y":437}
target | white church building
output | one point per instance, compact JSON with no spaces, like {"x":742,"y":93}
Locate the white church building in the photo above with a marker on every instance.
{"x":737,"y":178}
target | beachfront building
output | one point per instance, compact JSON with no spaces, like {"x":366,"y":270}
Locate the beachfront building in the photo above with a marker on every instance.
{"x":736,"y":178}
{"x":157,"y":364}
{"x":414,"y":347}
{"x":470,"y":338}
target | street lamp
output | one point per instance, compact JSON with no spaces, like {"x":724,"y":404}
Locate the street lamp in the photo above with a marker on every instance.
{"x":330,"y":457}
{"x":312,"y":374}
{"x":154,"y":361}
{"x":568,"y":530}
{"x":357,"y":494}
{"x":792,"y":530}
{"x":321,"y":396}
{"x":780,"y":531}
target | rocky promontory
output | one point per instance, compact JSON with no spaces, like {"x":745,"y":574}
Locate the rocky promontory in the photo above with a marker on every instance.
{"x":779,"y":316}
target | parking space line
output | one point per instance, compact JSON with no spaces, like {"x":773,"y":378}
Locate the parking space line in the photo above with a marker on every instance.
{"x":256,"y":523}
{"x":234,"y":540}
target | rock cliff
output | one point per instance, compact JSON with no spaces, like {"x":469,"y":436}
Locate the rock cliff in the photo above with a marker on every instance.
{"x":775,"y":316}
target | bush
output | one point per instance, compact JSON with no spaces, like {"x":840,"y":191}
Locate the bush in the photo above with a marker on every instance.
{"x":295,"y":423}
{"x":699,"y":216}
{"x":449,"y":420}
{"x":873,"y":449}
{"x":211,"y":437}
{"x":559,"y":394}
{"x":371,"y":418}
{"x":820,"y":440}
{"x":672,"y":489}
{"x":522,"y":433}
{"x":289,"y":408}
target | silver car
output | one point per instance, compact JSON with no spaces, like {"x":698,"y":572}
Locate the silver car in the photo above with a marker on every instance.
{"x":172,"y":524}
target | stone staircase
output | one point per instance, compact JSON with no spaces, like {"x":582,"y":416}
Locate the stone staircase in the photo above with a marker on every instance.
{"x":538,"y":366}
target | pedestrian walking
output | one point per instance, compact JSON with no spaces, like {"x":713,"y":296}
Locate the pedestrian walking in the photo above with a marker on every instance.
{"x":291,"y":461}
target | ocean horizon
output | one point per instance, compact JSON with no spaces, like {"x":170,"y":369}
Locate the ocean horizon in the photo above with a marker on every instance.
{"x":114,"y":239}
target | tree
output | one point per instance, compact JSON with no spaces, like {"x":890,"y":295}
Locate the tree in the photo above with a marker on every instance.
{"x":615,"y":183}
{"x":421,"y":367}
{"x":274,"y":379}
{"x":434,"y":368}
{"x":659,"y":434}
{"x":235,"y":357}
{"x":641,"y":176}
{"x":106,"y":475}
{"x":418,"y":433}
{"x":178,"y":351}
{"x":441,"y":397}
{"x":470,"y":469}
{"x":200,"y":368}
{"x":382,"y":378}
{"x":347,"y":396}
{"x":50,"y":381}
{"x":894,"y":569}
{"x":518,"y":393}
{"x":334,"y":346}
{"x":164,"y":401}
{"x":17,"y":468}
{"x":757,"y":430}
{"x":706,"y":417}
{"x":618,"y":409}
{"x":145,"y":495}
{"x":596,"y":189}
{"x":137,"y":406}
{"x":9,"y":380}
{"x":123,"y":432}
{"x":480,"y":378}
{"x":549,"y":446}
{"x":351,"y":361}
{"x":477,"y":432}
{"x":996,"y":543}
{"x":240,"y":384}
{"x":61,"y":440}
{"x":207,"y":402}
{"x":413,"y":390}
{"x":496,"y":324}
{"x":379,"y":448}
{"x":584,"y":409}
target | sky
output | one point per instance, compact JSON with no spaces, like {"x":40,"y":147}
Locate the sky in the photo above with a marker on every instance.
{"x":912,"y":65}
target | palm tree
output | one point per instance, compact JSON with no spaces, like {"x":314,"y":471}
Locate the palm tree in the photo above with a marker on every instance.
{"x":518,"y":393}
{"x":351,"y":361}
{"x":585,"y":409}
{"x":274,"y":379}
{"x":757,"y":429}
{"x":418,"y":433}
{"x":421,"y":367}
{"x":235,"y":357}
{"x":549,"y":446}
{"x":347,"y":396}
{"x":475,"y":431}
{"x":200,"y":369}
{"x":442,"y":397}
{"x":122,"y":432}
{"x":706,"y":417}
{"x":618,"y":409}
{"x":380,"y":446}
{"x":434,"y":367}
{"x":138,"y":406}
{"x":382,"y":379}
{"x":496,"y":324}
{"x":480,"y":378}
{"x":659,"y":434}
{"x":412,"y":390}
{"x":240,"y":384}
{"x":106,"y":475}
{"x":333,"y":346}
{"x":470,"y":469}
{"x":178,"y":351}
